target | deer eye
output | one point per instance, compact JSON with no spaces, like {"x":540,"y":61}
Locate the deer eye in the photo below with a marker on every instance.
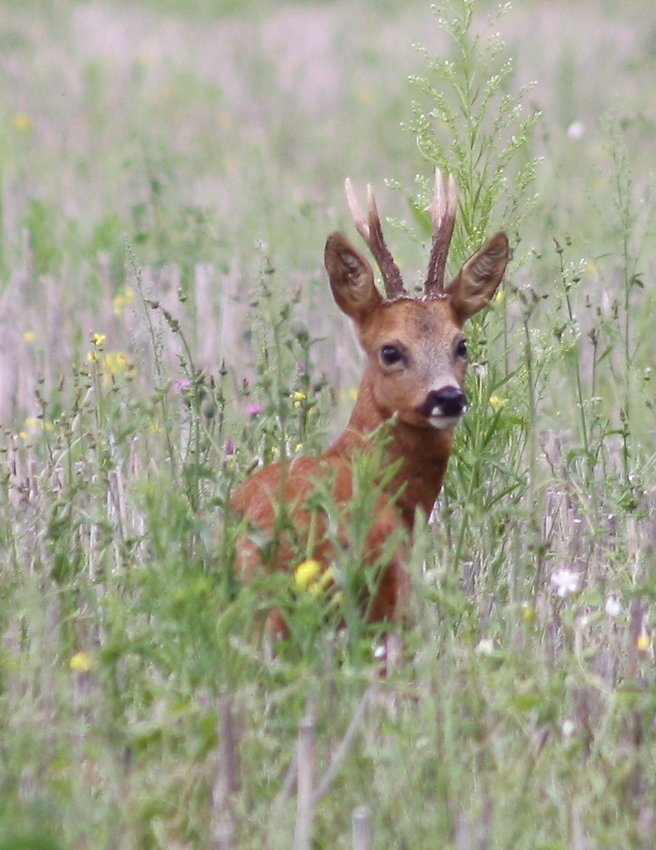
{"x":461,"y":348}
{"x":390,"y":354}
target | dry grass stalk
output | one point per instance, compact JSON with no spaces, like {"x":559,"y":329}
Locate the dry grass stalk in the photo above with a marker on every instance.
{"x":361,"y":828}
{"x":304,"y":797}
{"x":227,"y":784}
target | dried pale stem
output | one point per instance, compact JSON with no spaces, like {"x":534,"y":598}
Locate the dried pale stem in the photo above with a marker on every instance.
{"x":304,"y":797}
{"x":342,"y":751}
{"x":361,"y":828}
{"x":226,"y":785}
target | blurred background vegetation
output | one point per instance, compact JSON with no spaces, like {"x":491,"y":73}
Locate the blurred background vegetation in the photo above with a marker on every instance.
{"x":169,"y":172}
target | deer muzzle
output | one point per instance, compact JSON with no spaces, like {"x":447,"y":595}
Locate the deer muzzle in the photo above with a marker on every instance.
{"x":443,"y":407}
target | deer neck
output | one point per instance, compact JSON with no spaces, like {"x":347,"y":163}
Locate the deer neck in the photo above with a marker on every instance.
{"x":423,"y":452}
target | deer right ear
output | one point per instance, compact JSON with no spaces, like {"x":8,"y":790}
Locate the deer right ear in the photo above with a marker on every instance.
{"x":351,"y":278}
{"x":479,"y":278}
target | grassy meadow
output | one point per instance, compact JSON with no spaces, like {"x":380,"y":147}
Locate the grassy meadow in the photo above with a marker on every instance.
{"x":169,"y":171}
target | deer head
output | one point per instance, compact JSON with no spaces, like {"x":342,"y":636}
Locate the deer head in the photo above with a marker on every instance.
{"x":416,"y":349}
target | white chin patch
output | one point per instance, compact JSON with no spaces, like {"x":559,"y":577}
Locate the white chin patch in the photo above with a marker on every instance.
{"x":443,"y":421}
{"x":438,"y":420}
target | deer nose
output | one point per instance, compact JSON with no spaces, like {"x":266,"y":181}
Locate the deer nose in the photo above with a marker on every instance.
{"x":449,"y":401}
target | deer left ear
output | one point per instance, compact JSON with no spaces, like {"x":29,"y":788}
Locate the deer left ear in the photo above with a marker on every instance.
{"x":351,"y":278}
{"x":479,"y":278}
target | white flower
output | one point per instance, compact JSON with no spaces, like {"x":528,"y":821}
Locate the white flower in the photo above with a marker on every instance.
{"x":568,"y":728}
{"x":566,"y":581}
{"x":576,"y":130}
{"x":613,"y":606}
{"x":485,"y":646}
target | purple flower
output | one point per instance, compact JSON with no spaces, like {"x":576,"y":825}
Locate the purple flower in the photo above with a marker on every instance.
{"x":182,"y":386}
{"x":254,"y":410}
{"x":229,"y":448}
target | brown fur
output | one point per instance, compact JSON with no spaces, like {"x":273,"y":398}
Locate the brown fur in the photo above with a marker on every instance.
{"x":427,"y":330}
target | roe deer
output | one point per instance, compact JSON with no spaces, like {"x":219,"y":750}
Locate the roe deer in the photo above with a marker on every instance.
{"x":413,"y":379}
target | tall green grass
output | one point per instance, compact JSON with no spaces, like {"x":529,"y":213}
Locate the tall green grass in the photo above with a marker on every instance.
{"x":165,"y":326}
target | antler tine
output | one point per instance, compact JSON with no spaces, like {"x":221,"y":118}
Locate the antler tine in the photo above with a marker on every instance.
{"x":443,"y":212}
{"x":372,"y":232}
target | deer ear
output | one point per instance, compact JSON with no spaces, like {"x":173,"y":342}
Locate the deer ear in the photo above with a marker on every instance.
{"x":479,"y":278}
{"x":351,"y":278}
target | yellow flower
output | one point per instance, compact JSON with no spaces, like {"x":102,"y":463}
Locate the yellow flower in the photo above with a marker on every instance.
{"x":29,"y":336}
{"x":36,"y":424}
{"x":312,"y":578}
{"x":21,"y":121}
{"x":305,"y":573}
{"x":496,"y":402}
{"x":145,"y":56}
{"x":81,"y":662}
{"x":528,"y":612}
{"x":592,"y":269}
{"x":318,"y":587}
{"x":116,"y":362}
{"x":299,"y":398}
{"x":124,"y":298}
{"x":643,"y":642}
{"x":500,"y":297}
{"x":112,"y":363}
{"x":98,"y":339}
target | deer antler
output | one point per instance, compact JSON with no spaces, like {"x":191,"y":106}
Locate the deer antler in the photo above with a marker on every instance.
{"x":372,"y":233}
{"x":443,"y":212}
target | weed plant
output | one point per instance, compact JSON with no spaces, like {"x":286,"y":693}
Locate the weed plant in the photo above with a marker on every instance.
{"x":177,"y":344}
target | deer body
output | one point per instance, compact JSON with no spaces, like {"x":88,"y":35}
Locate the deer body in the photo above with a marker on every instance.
{"x":413,"y":379}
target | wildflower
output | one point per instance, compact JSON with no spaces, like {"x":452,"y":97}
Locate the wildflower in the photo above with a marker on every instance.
{"x":299,"y":398}
{"x":29,"y":336}
{"x":21,"y":121}
{"x":308,"y":576}
{"x":364,"y":95}
{"x":613,"y":606}
{"x":566,"y":581}
{"x":643,"y":642}
{"x":116,"y":363}
{"x":182,"y":386}
{"x":306,"y":572}
{"x":485,"y":646}
{"x":229,"y":448}
{"x":568,"y":728}
{"x":81,"y":662}
{"x":496,"y":402}
{"x":500,"y":297}
{"x":528,"y":612}
{"x":124,"y":298}
{"x":254,"y":410}
{"x":592,"y":269}
{"x":576,"y":131}
{"x":36,"y":424}
{"x":98,"y":339}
